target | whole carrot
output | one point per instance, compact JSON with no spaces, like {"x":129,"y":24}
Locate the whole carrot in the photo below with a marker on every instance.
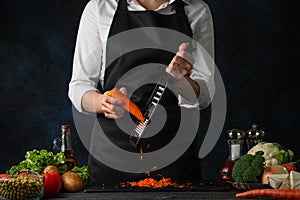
{"x":128,"y":105}
{"x":272,"y":193}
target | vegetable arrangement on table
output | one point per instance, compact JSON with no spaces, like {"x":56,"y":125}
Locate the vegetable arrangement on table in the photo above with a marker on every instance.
{"x":271,"y":165}
{"x":56,"y":176}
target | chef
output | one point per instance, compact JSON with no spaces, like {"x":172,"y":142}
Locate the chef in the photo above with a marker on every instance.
{"x":131,"y":45}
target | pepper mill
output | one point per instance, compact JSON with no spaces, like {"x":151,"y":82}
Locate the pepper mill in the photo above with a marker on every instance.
{"x":254,"y":136}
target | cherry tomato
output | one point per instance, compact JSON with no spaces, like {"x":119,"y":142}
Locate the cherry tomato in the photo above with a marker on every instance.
{"x":52,"y":184}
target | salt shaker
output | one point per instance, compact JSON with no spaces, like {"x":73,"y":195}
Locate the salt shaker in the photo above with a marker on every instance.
{"x":235,"y":141}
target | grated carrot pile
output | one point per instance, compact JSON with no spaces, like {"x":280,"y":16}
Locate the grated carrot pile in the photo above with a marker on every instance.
{"x":152,"y":183}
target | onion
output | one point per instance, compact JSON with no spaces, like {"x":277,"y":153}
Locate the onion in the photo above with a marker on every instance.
{"x":265,"y":177}
{"x":50,"y":168}
{"x":273,"y":169}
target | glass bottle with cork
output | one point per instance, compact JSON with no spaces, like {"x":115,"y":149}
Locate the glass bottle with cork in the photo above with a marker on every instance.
{"x":63,"y":143}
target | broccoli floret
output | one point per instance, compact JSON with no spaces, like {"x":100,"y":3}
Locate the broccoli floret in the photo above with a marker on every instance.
{"x":249,"y":168}
{"x":240,"y":166}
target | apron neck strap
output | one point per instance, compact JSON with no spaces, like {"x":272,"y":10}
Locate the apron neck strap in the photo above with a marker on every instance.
{"x":179,"y":6}
{"x":123,"y":5}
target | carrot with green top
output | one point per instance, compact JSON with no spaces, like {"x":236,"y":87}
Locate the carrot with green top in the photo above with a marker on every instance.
{"x":128,"y":105}
{"x":271,"y":193}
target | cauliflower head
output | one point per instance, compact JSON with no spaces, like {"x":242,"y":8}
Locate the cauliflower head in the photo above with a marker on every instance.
{"x":274,"y":153}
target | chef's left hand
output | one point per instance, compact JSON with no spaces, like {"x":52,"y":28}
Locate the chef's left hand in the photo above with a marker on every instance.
{"x":182,"y":63}
{"x":111,"y":107}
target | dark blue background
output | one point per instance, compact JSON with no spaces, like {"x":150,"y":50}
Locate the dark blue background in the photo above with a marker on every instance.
{"x":257,"y":50}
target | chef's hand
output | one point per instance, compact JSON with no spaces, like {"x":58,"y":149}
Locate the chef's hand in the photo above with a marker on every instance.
{"x":111,"y":107}
{"x":180,"y":68}
{"x":182,"y":63}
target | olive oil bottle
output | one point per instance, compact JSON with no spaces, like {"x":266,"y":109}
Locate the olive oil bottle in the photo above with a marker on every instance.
{"x":63,"y":143}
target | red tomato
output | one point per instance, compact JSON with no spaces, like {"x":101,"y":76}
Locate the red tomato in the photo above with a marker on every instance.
{"x":289,"y":166}
{"x":52,"y":184}
{"x":4,"y":176}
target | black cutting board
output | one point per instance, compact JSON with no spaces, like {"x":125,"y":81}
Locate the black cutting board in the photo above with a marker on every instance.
{"x":202,"y":186}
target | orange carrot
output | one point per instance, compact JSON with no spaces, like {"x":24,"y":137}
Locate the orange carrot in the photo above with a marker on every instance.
{"x":128,"y":105}
{"x":141,"y":152}
{"x":272,"y":193}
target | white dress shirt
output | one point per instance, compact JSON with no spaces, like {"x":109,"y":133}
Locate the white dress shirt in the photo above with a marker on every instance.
{"x":89,"y":55}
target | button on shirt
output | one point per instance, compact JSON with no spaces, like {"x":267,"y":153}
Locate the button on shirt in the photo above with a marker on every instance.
{"x":89,"y":55}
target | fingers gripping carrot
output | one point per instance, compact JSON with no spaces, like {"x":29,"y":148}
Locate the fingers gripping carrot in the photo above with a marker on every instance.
{"x":272,"y":193}
{"x":128,"y":105}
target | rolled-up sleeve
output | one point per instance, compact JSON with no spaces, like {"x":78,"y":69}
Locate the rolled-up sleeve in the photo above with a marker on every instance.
{"x":87,"y":57}
{"x":203,"y":53}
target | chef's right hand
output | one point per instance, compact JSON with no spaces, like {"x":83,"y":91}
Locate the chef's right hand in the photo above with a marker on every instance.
{"x":111,"y":107}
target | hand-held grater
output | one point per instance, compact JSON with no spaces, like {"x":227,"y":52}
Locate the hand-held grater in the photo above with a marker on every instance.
{"x":154,"y":100}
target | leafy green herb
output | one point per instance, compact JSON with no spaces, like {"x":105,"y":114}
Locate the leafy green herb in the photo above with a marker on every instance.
{"x":37,"y":160}
{"x":83,"y":173}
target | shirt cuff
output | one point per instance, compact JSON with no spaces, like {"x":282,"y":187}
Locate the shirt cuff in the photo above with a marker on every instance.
{"x":76,"y":93}
{"x":203,"y":100}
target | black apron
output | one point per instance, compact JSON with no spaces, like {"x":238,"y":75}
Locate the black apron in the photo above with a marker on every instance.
{"x":153,"y":62}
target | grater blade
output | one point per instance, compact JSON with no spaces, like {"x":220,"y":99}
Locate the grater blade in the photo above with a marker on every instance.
{"x":155,"y":99}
